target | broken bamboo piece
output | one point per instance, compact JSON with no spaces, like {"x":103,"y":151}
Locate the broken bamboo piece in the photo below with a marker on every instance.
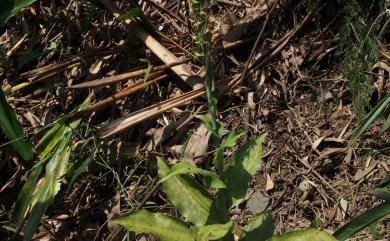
{"x":137,"y":86}
{"x":125,"y":76}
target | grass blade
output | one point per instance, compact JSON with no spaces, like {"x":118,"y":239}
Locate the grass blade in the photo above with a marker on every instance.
{"x":191,"y":199}
{"x":362,"y":221}
{"x":79,"y":171}
{"x":164,"y":226}
{"x":14,"y":132}
{"x":371,"y":117}
{"x":382,"y":190}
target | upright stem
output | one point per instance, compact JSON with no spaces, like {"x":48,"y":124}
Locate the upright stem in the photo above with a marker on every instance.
{"x":203,"y":51}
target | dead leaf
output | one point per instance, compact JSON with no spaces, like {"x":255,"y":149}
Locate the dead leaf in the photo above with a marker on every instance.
{"x":197,"y":145}
{"x":269,"y":185}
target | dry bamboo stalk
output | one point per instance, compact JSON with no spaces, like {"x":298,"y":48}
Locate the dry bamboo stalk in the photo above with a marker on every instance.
{"x":158,"y":49}
{"x":131,"y":74}
{"x":54,"y":68}
{"x":117,"y":96}
{"x":139,"y":116}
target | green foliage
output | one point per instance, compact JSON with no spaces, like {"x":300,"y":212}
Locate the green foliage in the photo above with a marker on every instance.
{"x":165,"y":227}
{"x":304,"y":235}
{"x":14,"y":132}
{"x":371,"y":216}
{"x":201,"y":36}
{"x":210,"y":220}
{"x":371,"y":117}
{"x":9,"y":8}
{"x":190,"y":198}
{"x":213,"y":232}
{"x":362,"y":221}
{"x":259,"y":228}
{"x":382,"y":190}
{"x":187,"y":168}
{"x":134,"y":12}
{"x":244,"y":164}
{"x":359,"y":47}
{"x":54,"y":153}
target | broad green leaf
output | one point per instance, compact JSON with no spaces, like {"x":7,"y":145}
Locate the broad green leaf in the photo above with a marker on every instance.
{"x":304,"y":235}
{"x":190,"y":198}
{"x":163,"y":226}
{"x":187,"y":168}
{"x":259,"y":228}
{"x":362,"y":221}
{"x":214,"y":231}
{"x":79,"y":171}
{"x":382,"y":190}
{"x":241,"y":166}
{"x":14,"y":132}
{"x":371,"y":117}
{"x":232,"y":138}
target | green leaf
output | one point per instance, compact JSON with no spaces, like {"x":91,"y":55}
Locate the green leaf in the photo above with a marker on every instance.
{"x":362,"y":221}
{"x":382,"y":190}
{"x":232,"y":138}
{"x":241,"y":166}
{"x":10,"y":8}
{"x":19,"y":4}
{"x":14,"y":132}
{"x":79,"y":171}
{"x":187,"y":168}
{"x":134,"y":12}
{"x":259,"y":228}
{"x":165,"y":227}
{"x":214,"y":231}
{"x":206,"y":121}
{"x":55,"y":169}
{"x":386,"y":125}
{"x":304,"y":235}
{"x":190,"y":198}
{"x":371,"y":117}
{"x":51,"y":139}
{"x":25,"y":195}
{"x":54,"y":151}
{"x":374,"y":230}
